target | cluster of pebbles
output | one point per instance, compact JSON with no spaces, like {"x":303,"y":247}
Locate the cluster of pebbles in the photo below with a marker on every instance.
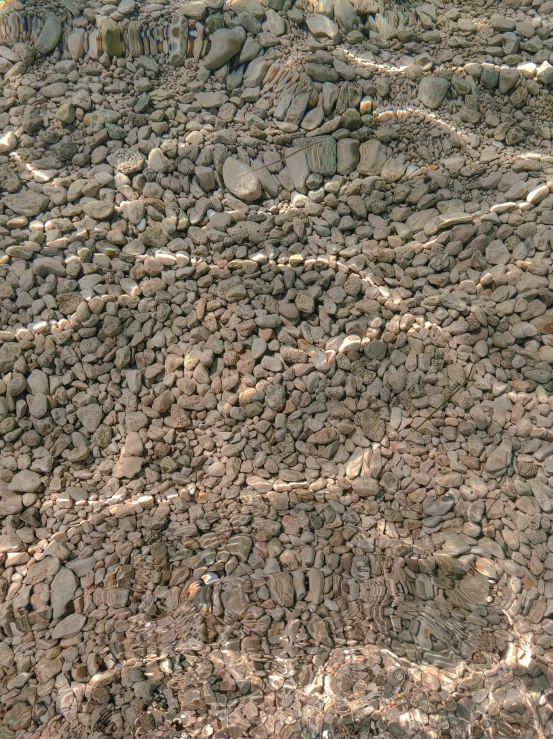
{"x":276,"y":369}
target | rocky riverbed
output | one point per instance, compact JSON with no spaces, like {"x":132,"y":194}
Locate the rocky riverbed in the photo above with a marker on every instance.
{"x":276,"y":369}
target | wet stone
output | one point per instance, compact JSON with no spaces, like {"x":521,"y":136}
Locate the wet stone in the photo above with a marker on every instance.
{"x":276,"y":320}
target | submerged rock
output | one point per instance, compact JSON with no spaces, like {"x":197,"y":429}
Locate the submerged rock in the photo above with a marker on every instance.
{"x":241,"y":181}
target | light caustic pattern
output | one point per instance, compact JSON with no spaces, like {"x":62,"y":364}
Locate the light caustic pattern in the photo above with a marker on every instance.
{"x":7,"y":5}
{"x":405,"y":629}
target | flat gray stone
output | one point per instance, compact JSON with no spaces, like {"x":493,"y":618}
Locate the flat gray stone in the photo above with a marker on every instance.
{"x":55,"y":90}
{"x":50,"y":34}
{"x":44,"y":266}
{"x":26,"y":203}
{"x":347,"y":156}
{"x":432,"y":91}
{"x":322,"y":27}
{"x":8,"y":142}
{"x":225,"y":43}
{"x":372,"y":156}
{"x":62,"y":590}
{"x":9,"y":180}
{"x":499,"y":459}
{"x":372,"y":425}
{"x":69,"y":626}
{"x":9,"y":354}
{"x":90,"y":416}
{"x":240,"y":180}
{"x":25,"y":481}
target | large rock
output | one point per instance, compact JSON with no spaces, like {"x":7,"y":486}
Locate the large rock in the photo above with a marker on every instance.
{"x":64,"y":586}
{"x":393,"y":169}
{"x":365,"y":487}
{"x":9,"y":354}
{"x":97,"y":119}
{"x":240,"y":180}
{"x":321,"y":72}
{"x":44,"y":266}
{"x":26,"y":203}
{"x":18,"y":717}
{"x":32,"y":120}
{"x":508,"y":78}
{"x":178,"y":41}
{"x":297,"y":107}
{"x":454,"y":545}
{"x":46,"y":669}
{"x":55,"y":90}
{"x":275,"y":23}
{"x":128,"y":467}
{"x":345,"y":15}
{"x":69,"y":626}
{"x":25,"y":481}
{"x":194,"y":9}
{"x":9,"y":180}
{"x":82,"y":99}
{"x":544,"y":323}
{"x":66,"y":113}
{"x":50,"y":34}
{"x":545,"y":73}
{"x":211,"y":99}
{"x":350,"y":96}
{"x":297,"y":168}
{"x":323,"y":28}
{"x":321,"y":155}
{"x":282,"y":589}
{"x":8,"y":141}
{"x":98,"y":209}
{"x":372,"y":425}
{"x":90,"y":416}
{"x":499,"y":459}
{"x":75,"y":44}
{"x":432,"y":91}
{"x":225,"y":43}
{"x":110,"y":33}
{"x":439,"y":506}
{"x":347,"y":156}
{"x":372,"y":155}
